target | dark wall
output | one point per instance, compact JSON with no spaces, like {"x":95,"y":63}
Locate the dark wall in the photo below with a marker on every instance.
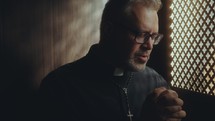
{"x":37,"y":36}
{"x":199,"y":107}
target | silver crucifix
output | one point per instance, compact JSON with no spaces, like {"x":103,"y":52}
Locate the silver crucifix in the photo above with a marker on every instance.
{"x":130,"y":115}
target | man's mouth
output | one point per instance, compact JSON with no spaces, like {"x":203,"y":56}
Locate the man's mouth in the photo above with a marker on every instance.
{"x":142,"y":58}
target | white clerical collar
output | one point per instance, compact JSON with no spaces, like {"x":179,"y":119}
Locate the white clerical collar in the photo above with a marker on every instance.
{"x":118,"y":72}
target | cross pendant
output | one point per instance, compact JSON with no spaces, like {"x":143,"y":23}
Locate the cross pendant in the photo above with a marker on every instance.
{"x":130,"y":115}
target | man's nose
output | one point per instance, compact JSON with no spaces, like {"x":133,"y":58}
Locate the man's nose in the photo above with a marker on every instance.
{"x":148,"y":44}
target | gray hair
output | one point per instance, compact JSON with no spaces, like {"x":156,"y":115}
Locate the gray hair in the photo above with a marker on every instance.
{"x":116,"y":11}
{"x":121,"y":7}
{"x":154,"y":4}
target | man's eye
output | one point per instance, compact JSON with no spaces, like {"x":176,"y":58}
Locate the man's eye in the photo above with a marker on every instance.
{"x":142,"y":34}
{"x":154,"y":35}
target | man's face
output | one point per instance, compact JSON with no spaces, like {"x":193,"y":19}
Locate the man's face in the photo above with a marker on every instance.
{"x":134,"y":55}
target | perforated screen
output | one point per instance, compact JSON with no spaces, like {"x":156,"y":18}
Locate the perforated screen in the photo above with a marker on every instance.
{"x":193,"y":45}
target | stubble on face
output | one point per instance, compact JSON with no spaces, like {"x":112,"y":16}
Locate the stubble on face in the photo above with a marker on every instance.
{"x":134,"y":63}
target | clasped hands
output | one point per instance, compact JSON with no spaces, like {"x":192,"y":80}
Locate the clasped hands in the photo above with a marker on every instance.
{"x":165,"y":105}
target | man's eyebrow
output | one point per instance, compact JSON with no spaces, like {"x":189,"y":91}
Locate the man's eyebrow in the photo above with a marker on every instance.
{"x":142,"y":30}
{"x":145,"y":31}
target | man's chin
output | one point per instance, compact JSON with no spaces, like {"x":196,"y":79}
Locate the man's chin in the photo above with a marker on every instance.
{"x":136,"y":67}
{"x":140,"y":67}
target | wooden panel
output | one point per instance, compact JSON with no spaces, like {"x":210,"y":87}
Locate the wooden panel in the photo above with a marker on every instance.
{"x":38,"y":36}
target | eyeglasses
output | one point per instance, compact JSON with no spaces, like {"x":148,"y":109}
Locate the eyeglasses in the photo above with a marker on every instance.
{"x":143,"y":37}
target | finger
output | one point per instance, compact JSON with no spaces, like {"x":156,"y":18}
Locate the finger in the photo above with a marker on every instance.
{"x":178,"y":101}
{"x":171,"y":109}
{"x":168,"y":98}
{"x":180,"y":114}
{"x":174,"y":116}
{"x":172,"y":119}
{"x":166,"y":95}
{"x":158,"y":91}
{"x":170,"y":102}
{"x":169,"y":92}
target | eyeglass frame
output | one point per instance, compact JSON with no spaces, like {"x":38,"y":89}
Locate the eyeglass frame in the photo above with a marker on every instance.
{"x":145,"y":37}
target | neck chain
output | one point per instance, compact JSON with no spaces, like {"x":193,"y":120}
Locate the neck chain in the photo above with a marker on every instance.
{"x":125,"y":92}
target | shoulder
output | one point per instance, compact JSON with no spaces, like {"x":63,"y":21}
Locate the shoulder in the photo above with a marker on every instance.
{"x":148,"y":71}
{"x":63,"y":73}
{"x":152,"y":77}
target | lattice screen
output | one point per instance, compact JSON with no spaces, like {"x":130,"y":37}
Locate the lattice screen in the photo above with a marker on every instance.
{"x":193,"y":45}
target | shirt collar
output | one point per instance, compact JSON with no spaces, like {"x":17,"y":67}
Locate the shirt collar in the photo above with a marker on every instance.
{"x":118,"y":72}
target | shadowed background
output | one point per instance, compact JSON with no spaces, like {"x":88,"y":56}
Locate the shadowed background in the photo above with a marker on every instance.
{"x":44,"y":34}
{"x":38,"y":36}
